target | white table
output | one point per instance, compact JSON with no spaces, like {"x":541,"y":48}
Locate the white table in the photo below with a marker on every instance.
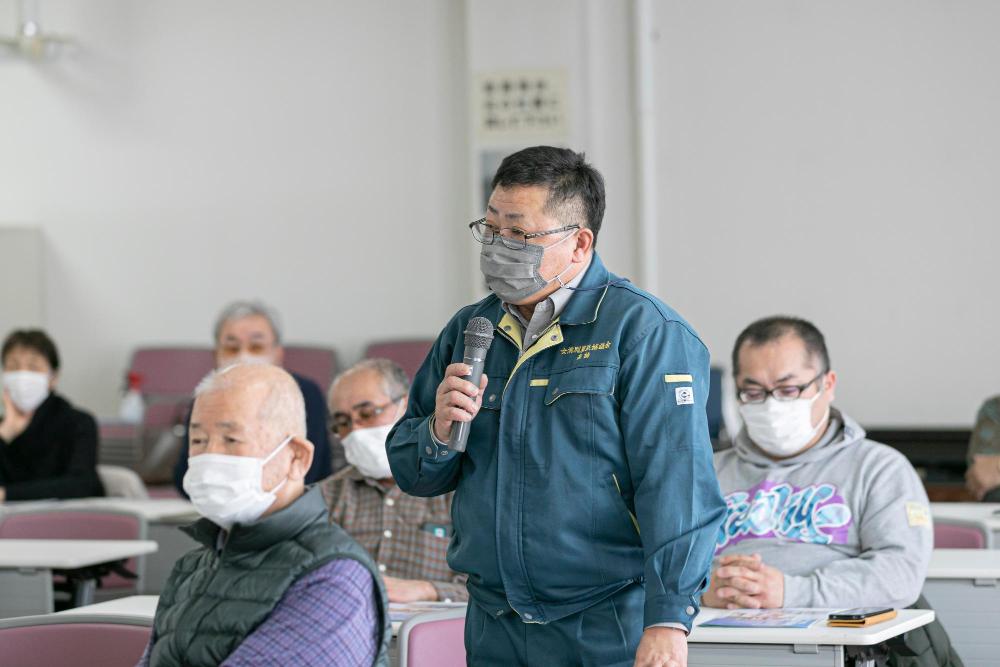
{"x":985,"y":515}
{"x":162,"y":517}
{"x":135,"y":606}
{"x":26,"y":568}
{"x":819,"y":645}
{"x":963,"y":586}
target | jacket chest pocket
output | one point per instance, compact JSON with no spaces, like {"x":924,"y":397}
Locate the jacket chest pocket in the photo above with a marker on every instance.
{"x":592,"y":380}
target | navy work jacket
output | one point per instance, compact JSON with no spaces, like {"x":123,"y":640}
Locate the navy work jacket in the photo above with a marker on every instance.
{"x":589,"y":466}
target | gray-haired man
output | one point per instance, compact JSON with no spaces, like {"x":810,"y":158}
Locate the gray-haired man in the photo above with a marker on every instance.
{"x":250,"y":331}
{"x":407,"y":536}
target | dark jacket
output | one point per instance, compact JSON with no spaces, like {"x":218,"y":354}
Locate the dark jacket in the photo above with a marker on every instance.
{"x":323,"y":464}
{"x":583,"y":439}
{"x":55,"y":457}
{"x":215,"y":598}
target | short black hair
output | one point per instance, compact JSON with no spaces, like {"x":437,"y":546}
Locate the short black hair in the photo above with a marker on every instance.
{"x":772,"y":328}
{"x":565,"y":173}
{"x":32,"y":339}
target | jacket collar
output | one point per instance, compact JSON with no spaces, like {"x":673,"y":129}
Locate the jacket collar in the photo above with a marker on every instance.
{"x":586,"y":301}
{"x":264,"y":533}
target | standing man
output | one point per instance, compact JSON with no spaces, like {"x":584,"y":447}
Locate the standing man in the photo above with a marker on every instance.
{"x":588,"y":427}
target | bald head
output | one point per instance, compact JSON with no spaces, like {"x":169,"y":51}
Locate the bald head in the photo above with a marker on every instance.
{"x":250,"y":409}
{"x":265,"y":398}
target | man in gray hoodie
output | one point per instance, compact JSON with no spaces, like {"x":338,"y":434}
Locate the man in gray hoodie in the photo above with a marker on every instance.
{"x":816,"y":514}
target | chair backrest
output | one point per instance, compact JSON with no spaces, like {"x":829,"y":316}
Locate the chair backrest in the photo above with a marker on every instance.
{"x":409,"y":354}
{"x":120,"y":482}
{"x":957,"y":535}
{"x":80,"y":525}
{"x":171,"y":371}
{"x":43,"y":641}
{"x":319,"y":364}
{"x":435,"y":639}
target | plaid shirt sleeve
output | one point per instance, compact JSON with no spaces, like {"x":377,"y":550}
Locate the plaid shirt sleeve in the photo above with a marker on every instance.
{"x":327,"y":617}
{"x":407,"y":536}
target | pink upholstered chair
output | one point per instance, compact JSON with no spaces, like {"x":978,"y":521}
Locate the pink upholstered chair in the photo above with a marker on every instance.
{"x":409,"y":354}
{"x":435,"y":639}
{"x":957,"y":535}
{"x":319,"y":364}
{"x":171,"y":371}
{"x":94,"y":641}
{"x":81,"y":525}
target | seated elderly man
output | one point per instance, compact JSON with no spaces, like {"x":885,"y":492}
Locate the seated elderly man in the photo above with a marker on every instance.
{"x":249,"y":331}
{"x":406,"y":535}
{"x":273,"y":582}
{"x":817,"y":515}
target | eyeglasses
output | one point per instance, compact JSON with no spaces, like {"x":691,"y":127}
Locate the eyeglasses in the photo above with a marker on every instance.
{"x":341,"y":423}
{"x":783,"y":393}
{"x":511,"y":237}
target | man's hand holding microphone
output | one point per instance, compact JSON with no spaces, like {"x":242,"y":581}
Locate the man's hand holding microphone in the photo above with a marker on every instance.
{"x":460,"y":394}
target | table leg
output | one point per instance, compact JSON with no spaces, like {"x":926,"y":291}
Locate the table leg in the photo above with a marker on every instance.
{"x":83,"y":592}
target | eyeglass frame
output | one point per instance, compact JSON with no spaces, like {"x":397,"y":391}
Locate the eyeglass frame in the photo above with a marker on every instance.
{"x":377,"y":410}
{"x":770,"y":392}
{"x":507,"y":241}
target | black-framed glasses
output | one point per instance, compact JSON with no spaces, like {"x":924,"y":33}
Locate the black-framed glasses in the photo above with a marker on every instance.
{"x":511,"y":237}
{"x":788,"y":392}
{"x":342,"y":422}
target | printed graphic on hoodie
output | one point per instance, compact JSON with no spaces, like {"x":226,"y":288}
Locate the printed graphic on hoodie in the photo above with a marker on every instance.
{"x":815,"y":514}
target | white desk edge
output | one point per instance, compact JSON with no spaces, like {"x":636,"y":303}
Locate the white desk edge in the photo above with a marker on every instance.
{"x":144,"y":606}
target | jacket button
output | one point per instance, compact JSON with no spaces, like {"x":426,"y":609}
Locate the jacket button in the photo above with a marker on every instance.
{"x":492,"y":398}
{"x":387,"y":533}
{"x":689,"y":611}
{"x":381,"y":567}
{"x":528,"y":616}
{"x":555,"y":337}
{"x":428,"y":450}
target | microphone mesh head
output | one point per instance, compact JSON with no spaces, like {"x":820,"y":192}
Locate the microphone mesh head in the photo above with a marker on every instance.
{"x":479,"y":333}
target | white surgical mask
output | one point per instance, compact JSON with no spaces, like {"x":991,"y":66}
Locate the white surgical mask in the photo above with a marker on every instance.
{"x":228,"y":489}
{"x":27,"y":389}
{"x":781,"y":428}
{"x":364,"y":448}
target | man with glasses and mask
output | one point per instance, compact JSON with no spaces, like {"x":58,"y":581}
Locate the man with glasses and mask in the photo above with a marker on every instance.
{"x":272,"y":581}
{"x":406,"y":535}
{"x":817,"y":515}
{"x":585,"y":502}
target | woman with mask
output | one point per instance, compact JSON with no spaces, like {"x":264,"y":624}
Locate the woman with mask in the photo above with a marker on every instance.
{"x":48,"y":448}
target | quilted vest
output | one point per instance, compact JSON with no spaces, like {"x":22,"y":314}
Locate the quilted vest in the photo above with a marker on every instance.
{"x":214,"y":599}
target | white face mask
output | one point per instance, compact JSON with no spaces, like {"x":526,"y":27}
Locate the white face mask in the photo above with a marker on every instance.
{"x":27,"y":389}
{"x":228,"y":489}
{"x":364,"y":448}
{"x":781,"y":428}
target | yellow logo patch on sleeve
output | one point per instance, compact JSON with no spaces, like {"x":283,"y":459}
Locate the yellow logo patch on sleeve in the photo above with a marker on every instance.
{"x":918,"y":514}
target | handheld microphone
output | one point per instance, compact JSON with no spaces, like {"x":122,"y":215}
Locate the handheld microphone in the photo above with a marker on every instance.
{"x":478,"y":338}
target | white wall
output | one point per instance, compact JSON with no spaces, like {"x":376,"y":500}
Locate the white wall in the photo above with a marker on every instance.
{"x":834,"y":160}
{"x":839,"y":161}
{"x":190,"y":152}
